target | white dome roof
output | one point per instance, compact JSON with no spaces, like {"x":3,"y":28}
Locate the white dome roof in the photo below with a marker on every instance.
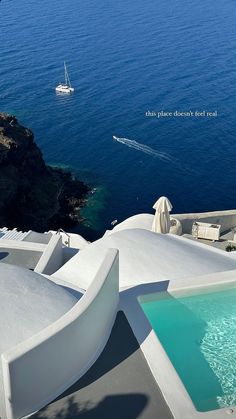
{"x":29,"y":303}
{"x":146,"y":257}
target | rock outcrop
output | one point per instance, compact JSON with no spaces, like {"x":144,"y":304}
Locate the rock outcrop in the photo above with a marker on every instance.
{"x":34,"y":195}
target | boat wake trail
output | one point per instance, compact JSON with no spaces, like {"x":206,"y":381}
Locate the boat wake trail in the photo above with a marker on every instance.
{"x":154,"y":153}
{"x":143,"y":148}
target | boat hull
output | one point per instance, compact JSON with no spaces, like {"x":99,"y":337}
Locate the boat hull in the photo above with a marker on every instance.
{"x":64,"y":89}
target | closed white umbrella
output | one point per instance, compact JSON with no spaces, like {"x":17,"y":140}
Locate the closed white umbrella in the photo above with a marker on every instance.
{"x":161,"y":222}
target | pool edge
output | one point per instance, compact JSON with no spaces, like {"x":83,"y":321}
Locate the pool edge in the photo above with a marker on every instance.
{"x":165,"y":375}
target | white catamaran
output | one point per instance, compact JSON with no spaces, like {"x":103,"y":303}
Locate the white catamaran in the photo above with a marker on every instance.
{"x":65,"y":87}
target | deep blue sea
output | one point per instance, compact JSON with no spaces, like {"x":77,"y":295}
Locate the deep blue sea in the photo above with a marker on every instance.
{"x":126,"y":58}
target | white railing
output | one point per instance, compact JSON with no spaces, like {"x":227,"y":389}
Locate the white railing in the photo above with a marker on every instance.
{"x":60,"y":230}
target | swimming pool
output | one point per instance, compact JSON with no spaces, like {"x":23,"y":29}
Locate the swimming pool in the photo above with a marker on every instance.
{"x":198,"y":334}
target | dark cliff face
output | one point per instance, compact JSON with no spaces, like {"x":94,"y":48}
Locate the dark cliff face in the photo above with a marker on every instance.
{"x":33,"y":195}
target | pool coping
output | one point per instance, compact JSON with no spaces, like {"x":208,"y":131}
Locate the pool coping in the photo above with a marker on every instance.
{"x":164,"y":373}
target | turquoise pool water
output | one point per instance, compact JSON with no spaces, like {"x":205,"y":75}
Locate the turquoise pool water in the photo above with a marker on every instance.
{"x":198,"y":333}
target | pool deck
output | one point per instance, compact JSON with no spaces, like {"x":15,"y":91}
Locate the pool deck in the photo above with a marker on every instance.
{"x":118,"y":386}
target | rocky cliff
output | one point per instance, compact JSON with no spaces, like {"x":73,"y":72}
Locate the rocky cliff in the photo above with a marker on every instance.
{"x":34,"y":195}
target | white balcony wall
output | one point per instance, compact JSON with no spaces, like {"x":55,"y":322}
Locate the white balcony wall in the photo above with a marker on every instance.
{"x":42,"y":367}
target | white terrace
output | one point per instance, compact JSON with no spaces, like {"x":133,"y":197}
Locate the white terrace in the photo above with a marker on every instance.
{"x":66,"y":309}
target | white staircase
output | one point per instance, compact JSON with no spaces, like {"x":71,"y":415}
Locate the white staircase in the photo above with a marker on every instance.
{"x":14,"y":234}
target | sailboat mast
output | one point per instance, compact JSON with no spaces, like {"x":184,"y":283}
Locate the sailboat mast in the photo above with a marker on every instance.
{"x":65,"y":72}
{"x":67,"y":80}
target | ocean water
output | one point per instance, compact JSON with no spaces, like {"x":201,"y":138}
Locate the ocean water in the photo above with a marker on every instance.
{"x":126,"y":58}
{"x":199,"y":336}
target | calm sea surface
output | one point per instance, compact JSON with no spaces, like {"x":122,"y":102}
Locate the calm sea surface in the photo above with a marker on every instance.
{"x":126,"y":58}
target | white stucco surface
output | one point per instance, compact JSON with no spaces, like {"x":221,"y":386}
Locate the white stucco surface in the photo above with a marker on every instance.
{"x":146,"y":257}
{"x":39,"y":368}
{"x":144,"y":221}
{"x":29,"y":303}
{"x":72,"y":240}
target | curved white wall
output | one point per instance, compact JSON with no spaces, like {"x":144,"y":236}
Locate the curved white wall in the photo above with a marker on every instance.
{"x":42,"y":367}
{"x":146,"y":257}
